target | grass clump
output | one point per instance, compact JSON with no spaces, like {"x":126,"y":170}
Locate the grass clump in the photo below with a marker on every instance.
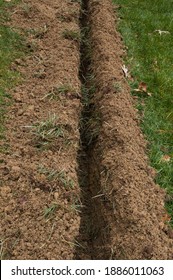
{"x":50,"y":210}
{"x":72,"y":35}
{"x":59,"y":91}
{"x":65,"y":180}
{"x":147,"y":29}
{"x":76,"y":1}
{"x":26,"y":9}
{"x":117,"y":87}
{"x":46,"y":132}
{"x":64,"y":89}
{"x":5,"y":9}
{"x":55,"y":175}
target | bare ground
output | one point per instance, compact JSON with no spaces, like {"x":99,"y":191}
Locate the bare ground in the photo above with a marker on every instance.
{"x":49,"y":93}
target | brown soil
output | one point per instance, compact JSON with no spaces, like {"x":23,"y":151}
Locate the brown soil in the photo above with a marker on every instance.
{"x":123,"y":214}
{"x":127,"y":207}
{"x":28,"y":186}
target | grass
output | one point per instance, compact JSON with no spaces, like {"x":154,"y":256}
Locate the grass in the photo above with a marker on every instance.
{"x":147,"y":29}
{"x":50,"y":210}
{"x":78,"y":1}
{"x":46,"y":132}
{"x":77,"y":206}
{"x":38,"y":32}
{"x":11,"y":48}
{"x":117,"y":87}
{"x":4,"y":9}
{"x":59,"y":91}
{"x":73,"y":244}
{"x":53,"y":174}
{"x":26,"y":9}
{"x":72,"y":35}
{"x":67,"y":182}
{"x":64,"y":89}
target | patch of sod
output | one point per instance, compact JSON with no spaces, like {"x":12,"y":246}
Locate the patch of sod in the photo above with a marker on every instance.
{"x":147,"y":29}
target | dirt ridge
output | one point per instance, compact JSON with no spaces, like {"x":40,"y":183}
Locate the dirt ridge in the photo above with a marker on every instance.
{"x":40,"y":194}
{"x":133,"y":205}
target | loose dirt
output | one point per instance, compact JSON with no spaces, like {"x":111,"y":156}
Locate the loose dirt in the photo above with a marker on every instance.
{"x":129,"y":219}
{"x":63,"y":197}
{"x":39,"y":172}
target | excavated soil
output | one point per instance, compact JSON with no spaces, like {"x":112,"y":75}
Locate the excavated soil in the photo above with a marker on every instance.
{"x":39,"y":173}
{"x":62,"y":196}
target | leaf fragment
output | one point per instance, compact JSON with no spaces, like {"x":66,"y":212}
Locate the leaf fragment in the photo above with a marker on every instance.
{"x":162,"y":32}
{"x":166,"y":218}
{"x":126,"y":71}
{"x":165,"y":158}
{"x":142,"y":88}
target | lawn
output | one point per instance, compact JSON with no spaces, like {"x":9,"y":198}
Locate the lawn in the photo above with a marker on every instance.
{"x":10,"y":49}
{"x":147,"y":30}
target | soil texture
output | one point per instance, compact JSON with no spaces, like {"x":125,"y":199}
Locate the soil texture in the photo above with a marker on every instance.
{"x":40,"y":194}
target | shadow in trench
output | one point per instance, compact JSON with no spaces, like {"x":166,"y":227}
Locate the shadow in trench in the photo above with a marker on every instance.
{"x":93,"y":241}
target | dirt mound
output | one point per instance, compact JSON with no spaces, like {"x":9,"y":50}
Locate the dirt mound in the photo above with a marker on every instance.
{"x":131,"y":204}
{"x":40,"y":195}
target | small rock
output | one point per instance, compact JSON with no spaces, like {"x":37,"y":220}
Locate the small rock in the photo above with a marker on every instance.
{"x":5,"y":191}
{"x":15,"y":172}
{"x":56,"y":195}
{"x":20,"y":112}
{"x":170,"y":233}
{"x":17,"y":97}
{"x":8,"y":209}
{"x":18,"y":61}
{"x":31,"y":108}
{"x":15,"y":168}
{"x":5,"y":170}
{"x":37,"y":189}
{"x":41,"y":177}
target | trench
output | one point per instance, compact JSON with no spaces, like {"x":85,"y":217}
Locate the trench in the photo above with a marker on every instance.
{"x":94,"y":233}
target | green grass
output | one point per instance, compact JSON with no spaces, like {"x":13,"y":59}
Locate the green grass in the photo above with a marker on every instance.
{"x":150,"y":59}
{"x":47,"y":131}
{"x":50,"y":210}
{"x":4,"y":9}
{"x":61,"y":176}
{"x":11,"y":48}
{"x":72,"y":35}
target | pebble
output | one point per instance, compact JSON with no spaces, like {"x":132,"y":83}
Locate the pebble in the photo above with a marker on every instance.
{"x":15,"y":172}
{"x":31,"y":108}
{"x":56,"y":195}
{"x":5,"y":191}
{"x":20,"y":112}
{"x":17,"y":97}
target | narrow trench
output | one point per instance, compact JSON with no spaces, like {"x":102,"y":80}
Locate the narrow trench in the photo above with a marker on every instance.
{"x":93,"y":240}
